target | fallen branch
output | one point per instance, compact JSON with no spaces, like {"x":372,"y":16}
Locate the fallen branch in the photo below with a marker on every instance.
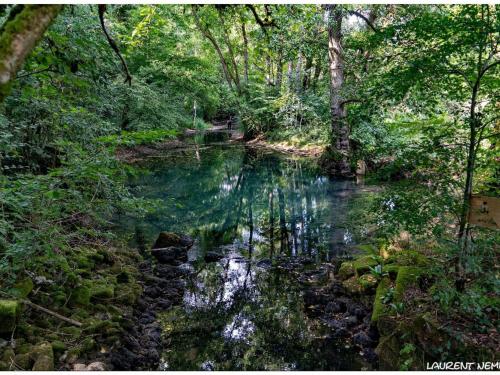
{"x":50,"y":312}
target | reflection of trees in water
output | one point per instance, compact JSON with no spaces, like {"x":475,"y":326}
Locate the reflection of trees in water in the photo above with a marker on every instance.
{"x":237,"y":194}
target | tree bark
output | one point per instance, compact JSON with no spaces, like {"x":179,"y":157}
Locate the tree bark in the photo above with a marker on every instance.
{"x":339,"y":127}
{"x":19,"y":35}
{"x":206,"y":32}
{"x":235,"y":74}
{"x":245,"y":50}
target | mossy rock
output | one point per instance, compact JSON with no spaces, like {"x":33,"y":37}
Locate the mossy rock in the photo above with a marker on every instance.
{"x":409,"y":258}
{"x":352,"y":285}
{"x":80,"y":296}
{"x":363,"y":264}
{"x":346,"y":270}
{"x":392,"y":269}
{"x":74,"y":332}
{"x":368,"y":282}
{"x":407,"y":276}
{"x":44,"y":357}
{"x":22,"y":288}
{"x":8,"y":355}
{"x":379,"y":308}
{"x":58,"y":346}
{"x":386,"y":324}
{"x":388,"y":352}
{"x":9,"y":312}
{"x":128,"y":293}
{"x":103,"y":291}
{"x":24,"y":361}
{"x":88,"y":345}
{"x":4,"y":366}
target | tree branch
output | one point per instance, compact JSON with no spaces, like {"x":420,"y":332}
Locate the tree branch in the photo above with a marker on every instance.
{"x":262,"y":24}
{"x":364,"y":18}
{"x":112,"y":43}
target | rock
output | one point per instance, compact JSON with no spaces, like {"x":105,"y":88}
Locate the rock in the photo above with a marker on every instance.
{"x":388,"y":353}
{"x":379,"y":308}
{"x":8,"y":355}
{"x":9,"y":312}
{"x":166,"y":271}
{"x":386,"y":325}
{"x":24,"y":361}
{"x":79,"y":367}
{"x":96,"y":366}
{"x":265,"y":263}
{"x":22,"y":288}
{"x":363,"y":264}
{"x":58,"y":346}
{"x":362,"y":339}
{"x":44,"y":357}
{"x":350,"y":321}
{"x":212,"y":256}
{"x":368,"y":282}
{"x":407,"y":276}
{"x":170,"y":255}
{"x":170,"y":239}
{"x":346,"y":271}
{"x":352,"y":286}
{"x":333,"y":308}
{"x":409,"y":258}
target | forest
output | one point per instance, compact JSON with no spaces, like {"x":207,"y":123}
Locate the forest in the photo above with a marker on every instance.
{"x":249,"y":187}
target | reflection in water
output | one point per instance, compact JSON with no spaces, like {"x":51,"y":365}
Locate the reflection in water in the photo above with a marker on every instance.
{"x":257,"y":209}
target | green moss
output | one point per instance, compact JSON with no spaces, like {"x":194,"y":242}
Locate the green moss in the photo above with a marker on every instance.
{"x":391,"y":269}
{"x":74,"y":332}
{"x":407,"y":276}
{"x":388,"y":352}
{"x":22,"y":288}
{"x":352,"y":285}
{"x":346,"y":270}
{"x":80,"y":296}
{"x":8,"y":355}
{"x":24,"y":361}
{"x":379,"y":308}
{"x":58,"y":346}
{"x":103,"y":291}
{"x":368,"y":282}
{"x":363,"y":264}
{"x":409,"y":258}
{"x":9,"y":312}
{"x":44,"y":357}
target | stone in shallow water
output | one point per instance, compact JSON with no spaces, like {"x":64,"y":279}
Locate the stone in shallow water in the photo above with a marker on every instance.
{"x":170,"y":255}
{"x":169,"y":239}
{"x":212,"y":256}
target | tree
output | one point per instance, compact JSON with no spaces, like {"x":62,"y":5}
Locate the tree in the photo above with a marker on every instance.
{"x":22,"y":30}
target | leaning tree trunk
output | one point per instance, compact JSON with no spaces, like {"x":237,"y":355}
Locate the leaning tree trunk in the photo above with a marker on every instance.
{"x":340,"y":129}
{"x":18,"y":36}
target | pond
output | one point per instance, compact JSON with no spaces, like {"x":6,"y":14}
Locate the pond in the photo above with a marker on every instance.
{"x":261,"y":211}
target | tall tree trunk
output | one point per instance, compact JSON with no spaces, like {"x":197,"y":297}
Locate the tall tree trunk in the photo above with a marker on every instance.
{"x":289,"y":75}
{"x":307,"y":73}
{"x":234,"y":73}
{"x":298,"y":73}
{"x":18,"y":36}
{"x":340,"y":128}
{"x":245,"y":50}
{"x":279,"y":70}
{"x":206,"y":32}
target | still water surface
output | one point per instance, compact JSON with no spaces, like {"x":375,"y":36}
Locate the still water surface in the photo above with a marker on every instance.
{"x":259,"y":210}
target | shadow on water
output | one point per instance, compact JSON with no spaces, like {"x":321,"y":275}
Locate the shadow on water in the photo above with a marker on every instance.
{"x":256,"y":208}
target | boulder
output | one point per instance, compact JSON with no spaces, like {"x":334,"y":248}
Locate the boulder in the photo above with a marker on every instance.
{"x":170,"y":255}
{"x":368,"y":282}
{"x":346,"y":271}
{"x":44,"y":357}
{"x":362,"y":340}
{"x":379,"y":308}
{"x":407,"y":276}
{"x":363,"y":264}
{"x":9,"y":312}
{"x":352,"y":286}
{"x":170,"y":239}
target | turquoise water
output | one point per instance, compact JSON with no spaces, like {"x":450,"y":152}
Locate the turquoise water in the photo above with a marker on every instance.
{"x":261,"y":211}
